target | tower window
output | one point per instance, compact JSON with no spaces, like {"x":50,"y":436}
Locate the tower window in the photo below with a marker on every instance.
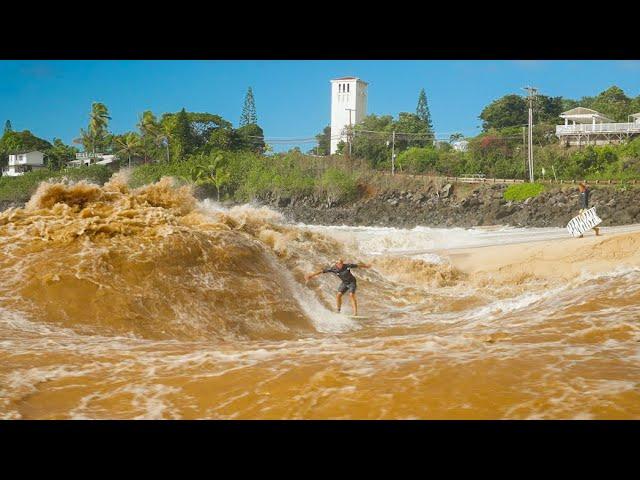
{"x":347,"y":88}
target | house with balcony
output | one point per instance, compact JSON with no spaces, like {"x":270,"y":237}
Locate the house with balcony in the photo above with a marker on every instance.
{"x":20,"y":163}
{"x":584,"y":126}
{"x":91,"y":158}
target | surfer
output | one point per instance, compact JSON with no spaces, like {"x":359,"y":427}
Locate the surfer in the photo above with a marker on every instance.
{"x":584,"y":203}
{"x":348,"y":281}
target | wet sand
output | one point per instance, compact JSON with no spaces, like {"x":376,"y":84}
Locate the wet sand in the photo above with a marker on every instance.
{"x":553,"y":259}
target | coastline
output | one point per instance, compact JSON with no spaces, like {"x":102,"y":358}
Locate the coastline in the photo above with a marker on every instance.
{"x":448,"y":206}
{"x":453,"y":206}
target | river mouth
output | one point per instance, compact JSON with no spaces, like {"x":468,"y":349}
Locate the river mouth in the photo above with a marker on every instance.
{"x":148,"y":304}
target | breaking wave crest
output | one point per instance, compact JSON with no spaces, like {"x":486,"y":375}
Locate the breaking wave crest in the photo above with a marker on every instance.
{"x":153,"y":262}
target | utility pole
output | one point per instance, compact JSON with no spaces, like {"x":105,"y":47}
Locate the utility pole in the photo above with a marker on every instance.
{"x":532,"y":91}
{"x":350,"y":128}
{"x":524,"y":150}
{"x":393,"y":153}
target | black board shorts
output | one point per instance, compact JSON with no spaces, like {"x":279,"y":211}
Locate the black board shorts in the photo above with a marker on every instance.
{"x":347,"y":287}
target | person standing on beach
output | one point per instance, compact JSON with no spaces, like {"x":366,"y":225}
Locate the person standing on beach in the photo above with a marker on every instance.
{"x":585,"y":192}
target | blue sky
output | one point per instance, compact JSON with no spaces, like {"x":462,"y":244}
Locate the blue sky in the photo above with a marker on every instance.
{"x":53,"y":98}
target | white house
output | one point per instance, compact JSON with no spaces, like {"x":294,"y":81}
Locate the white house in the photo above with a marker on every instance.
{"x":89,"y":158}
{"x":584,"y":126}
{"x":460,"y":145}
{"x":19,"y":163}
{"x":348,"y":107}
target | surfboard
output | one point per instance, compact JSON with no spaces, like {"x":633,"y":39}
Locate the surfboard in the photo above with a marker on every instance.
{"x":583,"y":222}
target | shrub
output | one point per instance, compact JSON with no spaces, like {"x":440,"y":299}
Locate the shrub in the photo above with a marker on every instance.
{"x":522,"y":191}
{"x":418,"y":160}
{"x":152,"y":172}
{"x":338,"y":185}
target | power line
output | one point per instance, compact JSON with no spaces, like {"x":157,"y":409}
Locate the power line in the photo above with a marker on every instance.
{"x":358,"y":132}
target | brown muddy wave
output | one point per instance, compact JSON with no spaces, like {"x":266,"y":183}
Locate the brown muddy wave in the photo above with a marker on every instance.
{"x":150,"y":262}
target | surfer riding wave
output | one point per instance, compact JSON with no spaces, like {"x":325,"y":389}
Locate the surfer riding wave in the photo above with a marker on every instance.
{"x":348,"y":281}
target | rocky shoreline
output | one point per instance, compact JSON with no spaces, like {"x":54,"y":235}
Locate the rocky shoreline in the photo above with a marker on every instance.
{"x":445,"y":207}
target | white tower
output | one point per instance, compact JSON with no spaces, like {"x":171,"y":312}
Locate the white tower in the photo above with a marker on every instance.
{"x":348,"y":107}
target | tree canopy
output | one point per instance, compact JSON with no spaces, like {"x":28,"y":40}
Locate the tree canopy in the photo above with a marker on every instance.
{"x":324,"y":141}
{"x":249,"y":115}
{"x":512,"y":110}
{"x":183,"y":136}
{"x":508,"y":111}
{"x":422,"y":112}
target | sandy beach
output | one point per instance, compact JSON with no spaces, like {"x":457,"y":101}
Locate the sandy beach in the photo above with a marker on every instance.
{"x":560,"y":259}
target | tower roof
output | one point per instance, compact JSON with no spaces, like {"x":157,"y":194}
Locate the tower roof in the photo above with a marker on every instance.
{"x":349,"y":78}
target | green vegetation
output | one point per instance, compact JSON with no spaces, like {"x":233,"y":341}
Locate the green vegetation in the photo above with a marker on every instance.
{"x":244,"y":176}
{"x":338,"y":186}
{"x":417,"y":160}
{"x":423,"y":114}
{"x":324,"y":142}
{"x":522,"y":191}
{"x":20,"y":189}
{"x":513,"y":110}
{"x":249,"y":115}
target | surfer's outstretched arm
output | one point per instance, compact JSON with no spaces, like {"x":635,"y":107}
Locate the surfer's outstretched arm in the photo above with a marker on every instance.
{"x":309,"y":276}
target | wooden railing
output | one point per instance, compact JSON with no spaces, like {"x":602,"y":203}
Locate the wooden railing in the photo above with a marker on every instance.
{"x":590,"y":182}
{"x":472,"y":179}
{"x":633,"y":127}
{"x":464,"y":179}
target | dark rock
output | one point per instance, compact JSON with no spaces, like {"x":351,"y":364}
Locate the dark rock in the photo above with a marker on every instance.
{"x":440,"y":208}
{"x":283,"y":201}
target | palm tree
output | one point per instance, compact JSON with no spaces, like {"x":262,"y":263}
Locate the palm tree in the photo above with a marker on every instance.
{"x":98,"y":120}
{"x":147,"y":123}
{"x":161,"y":138}
{"x":85,"y":139}
{"x":128,"y":145}
{"x":219,"y":178}
{"x":148,"y":127}
{"x":455,"y":137}
{"x":213,"y":173}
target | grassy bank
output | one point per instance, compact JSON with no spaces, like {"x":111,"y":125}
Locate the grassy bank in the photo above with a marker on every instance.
{"x":522,"y":191}
{"x":500,"y":155}
{"x":243,"y":176}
